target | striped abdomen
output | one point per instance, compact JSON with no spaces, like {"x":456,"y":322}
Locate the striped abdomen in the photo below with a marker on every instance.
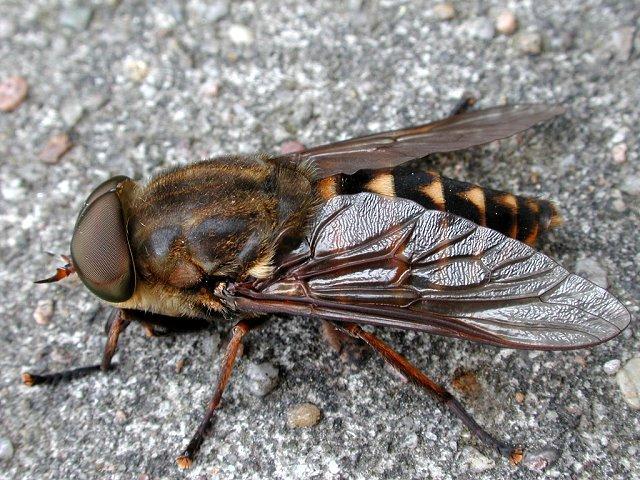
{"x":522,"y":218}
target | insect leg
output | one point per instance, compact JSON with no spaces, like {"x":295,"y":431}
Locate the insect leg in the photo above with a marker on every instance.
{"x":411,"y":372}
{"x":120,"y":322}
{"x":464,"y":104}
{"x":117,"y":326}
{"x":351,"y":350}
{"x":238,"y":332}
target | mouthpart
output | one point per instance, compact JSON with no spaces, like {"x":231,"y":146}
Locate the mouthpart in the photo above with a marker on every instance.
{"x":61,"y":272}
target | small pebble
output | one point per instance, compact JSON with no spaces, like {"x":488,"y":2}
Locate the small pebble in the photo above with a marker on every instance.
{"x":240,"y":35}
{"x":593,"y":271}
{"x":165,"y":19}
{"x":620,"y":135}
{"x":95,"y":101}
{"x":210,"y":89}
{"x":13,"y":189}
{"x":568,"y":162}
{"x":136,"y":70}
{"x":291,"y":147}
{"x":622,"y":43}
{"x":180,"y":365}
{"x":6,"y":449}
{"x":474,"y":461}
{"x":55,"y":148}
{"x":302,"y":114}
{"x":76,"y":18}
{"x":261,"y":378}
{"x":43,"y":312}
{"x":619,"y":205}
{"x":506,"y":23}
{"x":216,"y":11}
{"x":208,"y":12}
{"x":480,"y":28}
{"x":612,"y":366}
{"x":280,"y":134}
{"x":629,"y":382}
{"x":120,"y":417}
{"x":540,"y":460}
{"x":631,"y":185}
{"x":574,"y":410}
{"x":71,"y":112}
{"x":520,"y":397}
{"x":444,"y":11}
{"x":13,"y":91}
{"x":303,"y":415}
{"x":410,"y":441}
{"x":530,"y":43}
{"x":7,"y":28}
{"x":619,"y":153}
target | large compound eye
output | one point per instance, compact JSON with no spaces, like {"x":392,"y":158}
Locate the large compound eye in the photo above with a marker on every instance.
{"x":100,"y":246}
{"x":104,"y":187}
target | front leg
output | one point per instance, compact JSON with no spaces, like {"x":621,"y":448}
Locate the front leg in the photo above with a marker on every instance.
{"x":116,"y":327}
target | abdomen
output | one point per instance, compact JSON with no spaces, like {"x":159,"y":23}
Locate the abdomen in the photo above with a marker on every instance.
{"x":519,"y":217}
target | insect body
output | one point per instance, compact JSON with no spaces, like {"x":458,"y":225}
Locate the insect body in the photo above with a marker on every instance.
{"x":345,"y":233}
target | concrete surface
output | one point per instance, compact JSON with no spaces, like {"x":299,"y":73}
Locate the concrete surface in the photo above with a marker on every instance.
{"x":138,"y":88}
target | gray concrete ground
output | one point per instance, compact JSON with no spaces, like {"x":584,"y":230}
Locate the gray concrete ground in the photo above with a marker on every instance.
{"x":138,"y":88}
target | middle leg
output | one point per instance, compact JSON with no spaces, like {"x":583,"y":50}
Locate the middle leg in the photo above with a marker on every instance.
{"x":350,"y":350}
{"x":228,"y":361}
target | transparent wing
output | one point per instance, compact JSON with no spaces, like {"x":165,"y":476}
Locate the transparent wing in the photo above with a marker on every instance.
{"x":392,"y":148}
{"x":388,"y":261}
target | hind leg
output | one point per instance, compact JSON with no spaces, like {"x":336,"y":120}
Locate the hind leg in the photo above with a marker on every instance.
{"x":413,"y":374}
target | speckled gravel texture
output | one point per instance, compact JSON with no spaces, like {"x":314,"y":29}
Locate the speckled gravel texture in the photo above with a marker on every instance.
{"x":141,"y":88}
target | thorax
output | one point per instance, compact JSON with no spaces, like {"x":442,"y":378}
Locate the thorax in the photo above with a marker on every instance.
{"x":220,"y":219}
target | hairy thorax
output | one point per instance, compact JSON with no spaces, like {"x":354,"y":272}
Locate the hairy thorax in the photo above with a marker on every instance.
{"x":217,"y":220}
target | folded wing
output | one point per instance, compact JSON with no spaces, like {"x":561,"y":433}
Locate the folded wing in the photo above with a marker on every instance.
{"x":392,"y":148}
{"x":388,"y":261}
